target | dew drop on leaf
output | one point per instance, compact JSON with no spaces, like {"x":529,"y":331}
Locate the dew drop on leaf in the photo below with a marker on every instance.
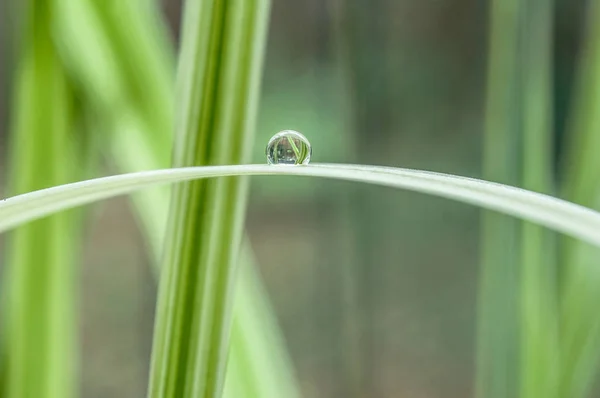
{"x":288,"y":147}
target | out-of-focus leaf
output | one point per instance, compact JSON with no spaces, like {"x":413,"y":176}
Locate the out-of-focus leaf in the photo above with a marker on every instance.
{"x":40,"y":341}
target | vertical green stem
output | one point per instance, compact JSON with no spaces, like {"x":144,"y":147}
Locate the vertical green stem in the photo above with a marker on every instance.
{"x":370,"y":102}
{"x":539,"y":335}
{"x":579,"y":320}
{"x":497,"y":317}
{"x":128,"y":39}
{"x":218,"y":81}
{"x":258,"y":367}
{"x":517,"y":261}
{"x":41,"y":337}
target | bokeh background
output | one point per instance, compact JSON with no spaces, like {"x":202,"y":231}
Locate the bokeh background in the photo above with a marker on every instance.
{"x":374,"y":289}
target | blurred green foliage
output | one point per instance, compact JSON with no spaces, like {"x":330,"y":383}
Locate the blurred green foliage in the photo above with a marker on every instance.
{"x":376,"y":290}
{"x":40,"y":338}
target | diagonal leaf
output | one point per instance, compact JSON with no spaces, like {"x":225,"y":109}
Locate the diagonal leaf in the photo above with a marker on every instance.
{"x":122,"y":64}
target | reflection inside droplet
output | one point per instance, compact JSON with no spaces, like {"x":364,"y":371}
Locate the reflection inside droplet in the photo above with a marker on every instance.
{"x":288,"y":147}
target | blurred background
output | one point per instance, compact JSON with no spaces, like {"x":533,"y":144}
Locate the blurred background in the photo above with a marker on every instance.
{"x":375,"y":289}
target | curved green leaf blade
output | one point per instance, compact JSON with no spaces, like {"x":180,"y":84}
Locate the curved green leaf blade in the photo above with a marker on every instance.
{"x":562,"y":216}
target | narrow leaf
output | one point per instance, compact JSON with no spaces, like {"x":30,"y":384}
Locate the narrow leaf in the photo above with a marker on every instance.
{"x":41,"y":342}
{"x":218,"y":80}
{"x":497,"y":319}
{"x":559,"y":215}
{"x":538,"y":294}
{"x":136,"y":59}
{"x":579,"y":320}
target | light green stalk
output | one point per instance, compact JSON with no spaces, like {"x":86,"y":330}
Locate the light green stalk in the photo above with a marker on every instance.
{"x":218,"y":80}
{"x":41,"y":341}
{"x":118,"y":52}
{"x":140,"y":139}
{"x":538,"y":300}
{"x":255,"y":342}
{"x":497,"y":312}
{"x":518,"y":150}
{"x":579,"y":320}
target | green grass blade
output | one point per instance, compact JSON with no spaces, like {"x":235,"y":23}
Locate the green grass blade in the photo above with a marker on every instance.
{"x":538,"y":297}
{"x":41,"y":325}
{"x":255,"y":339}
{"x":218,"y":80}
{"x":556,"y":214}
{"x":582,"y":177}
{"x":87,"y":32}
{"x":496,"y":374}
{"x":517,"y":271}
{"x":579,"y":321}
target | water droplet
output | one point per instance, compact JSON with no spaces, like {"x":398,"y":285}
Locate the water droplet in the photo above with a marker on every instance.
{"x":288,"y":147}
